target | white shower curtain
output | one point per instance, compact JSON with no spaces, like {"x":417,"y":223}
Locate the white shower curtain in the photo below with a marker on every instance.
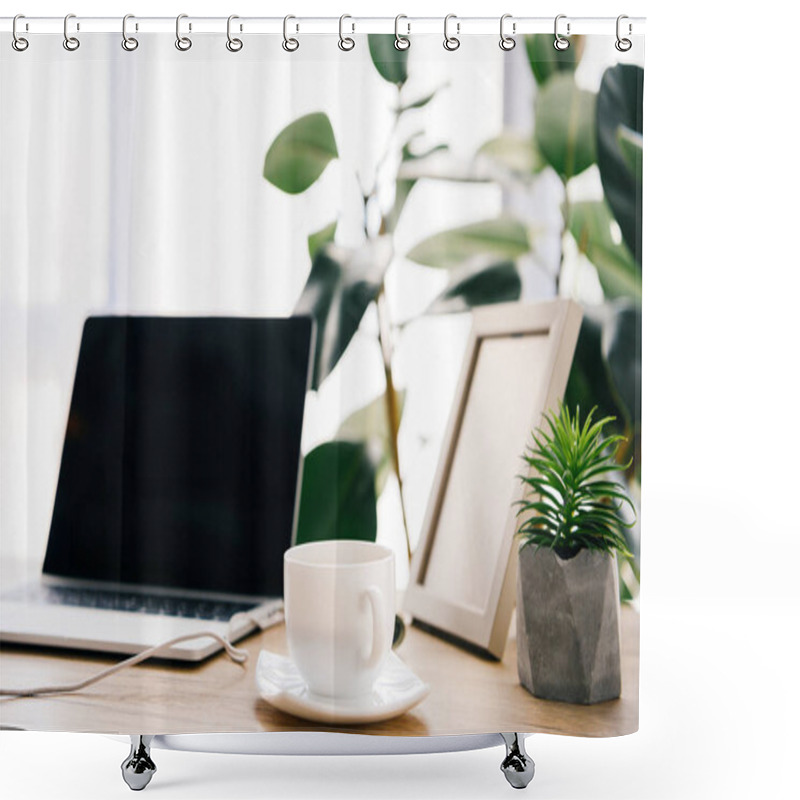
{"x":158,"y":182}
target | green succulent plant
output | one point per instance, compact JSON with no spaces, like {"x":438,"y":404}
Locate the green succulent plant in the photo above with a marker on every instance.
{"x":573,"y":503}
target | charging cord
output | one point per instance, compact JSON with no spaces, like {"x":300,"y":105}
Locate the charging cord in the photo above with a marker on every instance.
{"x":236,"y":654}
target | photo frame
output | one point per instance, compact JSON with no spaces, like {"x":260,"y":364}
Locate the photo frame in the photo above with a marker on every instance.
{"x":463,"y":573}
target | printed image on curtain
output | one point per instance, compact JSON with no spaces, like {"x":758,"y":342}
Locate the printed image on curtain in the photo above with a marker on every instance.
{"x":321,"y":387}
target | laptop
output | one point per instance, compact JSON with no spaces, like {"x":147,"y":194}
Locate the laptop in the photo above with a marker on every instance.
{"x":179,"y":486}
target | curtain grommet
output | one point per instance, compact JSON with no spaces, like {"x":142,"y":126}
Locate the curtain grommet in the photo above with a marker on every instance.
{"x":19,"y":43}
{"x":507,"y":42}
{"x":346,"y":43}
{"x":71,"y":43}
{"x":401,"y":41}
{"x":233,"y":44}
{"x":289,"y":44}
{"x":451,"y":43}
{"x":623,"y":44}
{"x":182,"y":43}
{"x":129,"y":43}
{"x":560,"y":43}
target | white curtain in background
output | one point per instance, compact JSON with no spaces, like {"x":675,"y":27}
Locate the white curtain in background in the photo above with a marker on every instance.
{"x":132,"y":183}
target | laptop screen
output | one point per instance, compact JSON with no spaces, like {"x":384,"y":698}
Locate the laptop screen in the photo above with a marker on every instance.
{"x":182,"y":452}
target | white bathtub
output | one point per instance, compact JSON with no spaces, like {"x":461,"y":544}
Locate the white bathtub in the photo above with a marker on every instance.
{"x":138,"y":768}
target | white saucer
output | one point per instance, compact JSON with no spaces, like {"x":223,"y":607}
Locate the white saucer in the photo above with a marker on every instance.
{"x":396,"y":691}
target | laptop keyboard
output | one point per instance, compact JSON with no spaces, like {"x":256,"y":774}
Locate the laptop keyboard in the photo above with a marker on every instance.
{"x":170,"y":606}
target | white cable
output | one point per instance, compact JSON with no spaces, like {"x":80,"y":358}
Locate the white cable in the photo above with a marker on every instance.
{"x":236,"y":654}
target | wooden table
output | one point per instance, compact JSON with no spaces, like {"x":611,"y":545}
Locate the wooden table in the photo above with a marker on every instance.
{"x":468,"y":694}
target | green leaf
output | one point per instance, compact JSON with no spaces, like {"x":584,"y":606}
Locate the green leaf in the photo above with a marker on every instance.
{"x":391,"y":63}
{"x":574,"y":509}
{"x":300,"y":153}
{"x":320,"y":238}
{"x":370,"y":424}
{"x":403,"y":186}
{"x":402,"y":189}
{"x":340,"y":286}
{"x":565,"y":125}
{"x":619,"y":130}
{"x":420,"y":103}
{"x":501,"y":238}
{"x":468,"y":288}
{"x":545,"y":60}
{"x":515,"y":153}
{"x":589,"y":381}
{"x":630,"y":145}
{"x":408,"y":154}
{"x":591,"y":224}
{"x":622,"y":351}
{"x":337,"y":499}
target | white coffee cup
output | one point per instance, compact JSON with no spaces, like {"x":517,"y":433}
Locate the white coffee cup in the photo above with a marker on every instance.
{"x":339,"y":607}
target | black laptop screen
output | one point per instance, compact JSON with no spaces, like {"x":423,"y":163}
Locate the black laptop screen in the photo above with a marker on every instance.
{"x":181,"y":454}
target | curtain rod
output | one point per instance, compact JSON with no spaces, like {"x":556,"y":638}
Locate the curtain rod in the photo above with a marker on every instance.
{"x":460,"y":26}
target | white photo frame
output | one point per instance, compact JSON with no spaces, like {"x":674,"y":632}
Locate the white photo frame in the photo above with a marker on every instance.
{"x":462,"y":580}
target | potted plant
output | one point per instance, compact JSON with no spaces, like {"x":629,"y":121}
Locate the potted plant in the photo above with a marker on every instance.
{"x":568,"y":636}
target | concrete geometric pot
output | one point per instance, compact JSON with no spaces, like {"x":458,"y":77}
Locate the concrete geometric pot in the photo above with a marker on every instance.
{"x":568,"y":637}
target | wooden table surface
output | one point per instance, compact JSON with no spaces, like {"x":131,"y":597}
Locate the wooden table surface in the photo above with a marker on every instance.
{"x":468,"y":694}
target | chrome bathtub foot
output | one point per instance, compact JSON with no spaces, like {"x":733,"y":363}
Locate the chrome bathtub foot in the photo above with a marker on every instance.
{"x":517,"y":766}
{"x":138,"y":768}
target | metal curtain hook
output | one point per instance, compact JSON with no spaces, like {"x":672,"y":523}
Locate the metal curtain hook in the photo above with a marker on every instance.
{"x":507,"y":42}
{"x":234,"y":45}
{"x":183,"y":43}
{"x":560,"y":43}
{"x":71,"y":43}
{"x":128,"y":42}
{"x":19,"y":43}
{"x":345,"y":42}
{"x":401,"y":42}
{"x":290,"y":44}
{"x":623,"y":45}
{"x":451,"y":42}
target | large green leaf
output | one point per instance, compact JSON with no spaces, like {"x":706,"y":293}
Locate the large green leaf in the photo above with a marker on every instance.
{"x":589,"y":381}
{"x":630,"y":146}
{"x":591,"y":224}
{"x":340,"y":286}
{"x":565,"y":125}
{"x":300,"y":153}
{"x":502,"y":238}
{"x":498,"y":283}
{"x":622,"y":351}
{"x":370,"y":424}
{"x":619,"y":129}
{"x":320,"y":238}
{"x":515,"y":153}
{"x":545,"y":60}
{"x":337,"y":500}
{"x":391,"y":63}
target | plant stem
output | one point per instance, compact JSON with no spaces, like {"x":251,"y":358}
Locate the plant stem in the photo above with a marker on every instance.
{"x":392,"y":411}
{"x":385,"y":339}
{"x":564,"y":232}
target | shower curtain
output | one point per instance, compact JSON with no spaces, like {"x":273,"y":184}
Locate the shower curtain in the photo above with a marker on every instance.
{"x":391,"y":190}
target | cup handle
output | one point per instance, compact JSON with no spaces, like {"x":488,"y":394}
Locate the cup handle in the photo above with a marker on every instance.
{"x":379,"y":636}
